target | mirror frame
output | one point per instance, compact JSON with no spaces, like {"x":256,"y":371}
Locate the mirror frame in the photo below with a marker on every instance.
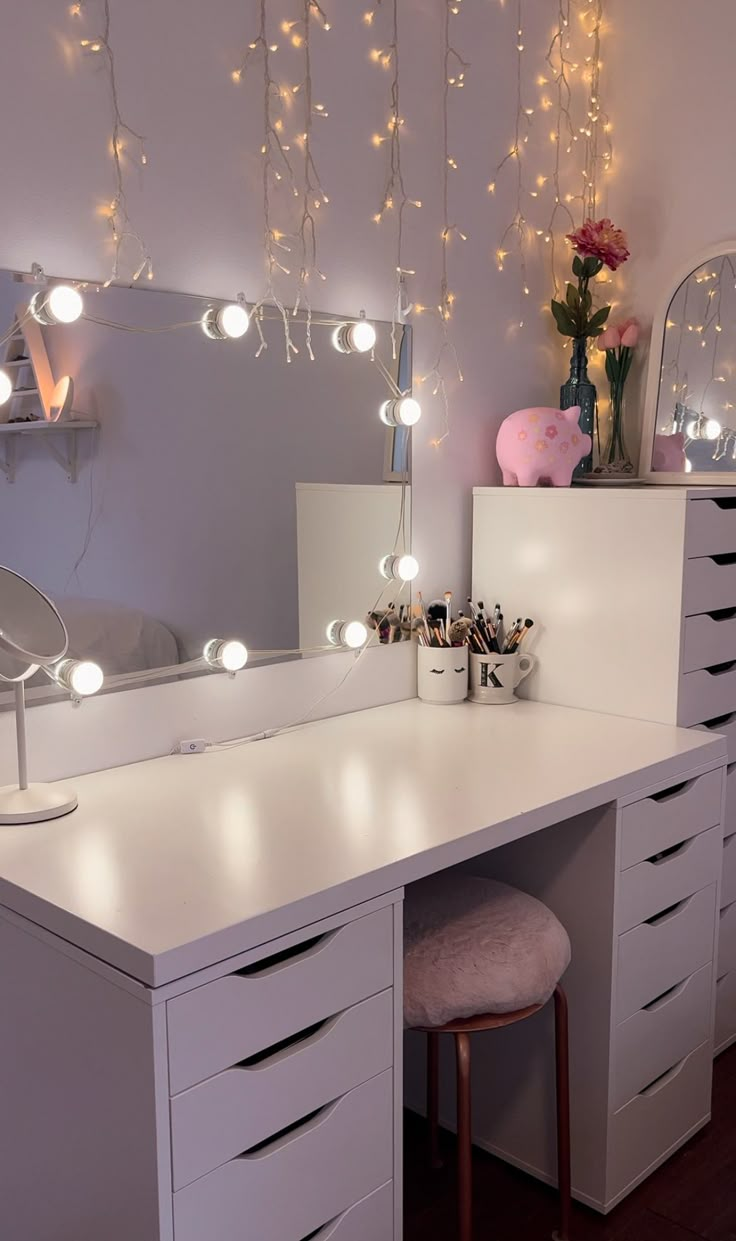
{"x":713,"y":478}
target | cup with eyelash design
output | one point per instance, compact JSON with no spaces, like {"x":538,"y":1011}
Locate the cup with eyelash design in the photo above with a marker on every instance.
{"x":442,"y":674}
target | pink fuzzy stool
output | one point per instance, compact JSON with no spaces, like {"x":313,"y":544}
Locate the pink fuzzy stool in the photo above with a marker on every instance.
{"x":479,"y":955}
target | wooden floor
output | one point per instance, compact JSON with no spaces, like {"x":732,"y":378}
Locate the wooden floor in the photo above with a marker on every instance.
{"x":693,"y":1196}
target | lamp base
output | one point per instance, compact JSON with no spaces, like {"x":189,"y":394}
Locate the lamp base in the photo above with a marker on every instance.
{"x":35,"y":804}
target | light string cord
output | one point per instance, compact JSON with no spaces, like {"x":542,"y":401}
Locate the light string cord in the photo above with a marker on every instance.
{"x":275,"y":164}
{"x":561,"y":68}
{"x":313,"y":193}
{"x":122,"y":231}
{"x":517,"y":227}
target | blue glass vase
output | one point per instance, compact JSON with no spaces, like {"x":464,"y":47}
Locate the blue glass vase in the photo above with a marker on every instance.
{"x":578,"y":390}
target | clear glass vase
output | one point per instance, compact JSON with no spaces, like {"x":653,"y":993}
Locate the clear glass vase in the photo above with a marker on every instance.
{"x":615,"y":458}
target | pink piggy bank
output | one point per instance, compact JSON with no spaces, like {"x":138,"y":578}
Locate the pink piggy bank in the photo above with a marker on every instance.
{"x":541,"y":445}
{"x":669,"y":453}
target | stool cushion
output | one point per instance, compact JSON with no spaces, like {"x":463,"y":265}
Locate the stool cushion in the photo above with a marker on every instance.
{"x":474,"y":946}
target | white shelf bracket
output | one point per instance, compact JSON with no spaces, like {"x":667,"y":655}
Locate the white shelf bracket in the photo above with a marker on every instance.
{"x":69,"y":460}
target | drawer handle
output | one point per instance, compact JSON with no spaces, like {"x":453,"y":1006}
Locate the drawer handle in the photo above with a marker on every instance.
{"x":725,"y":910}
{"x":721,"y":614}
{"x":671,"y":855}
{"x":328,"y":1230}
{"x":722,"y":978}
{"x":723,"y":559}
{"x":726,"y":503}
{"x":728,"y":840}
{"x":308,"y":1124}
{"x":720,"y":670}
{"x":667,"y":915}
{"x":280,"y":1052}
{"x":720,"y":721}
{"x":280,"y":961}
{"x":666,"y":997}
{"x":659,"y":1083}
{"x":677,"y":790}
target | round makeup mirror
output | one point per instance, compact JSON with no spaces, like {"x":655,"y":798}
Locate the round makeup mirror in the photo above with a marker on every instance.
{"x":31,"y":634}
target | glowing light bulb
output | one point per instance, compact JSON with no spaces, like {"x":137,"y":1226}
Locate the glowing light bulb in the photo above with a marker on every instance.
{"x":357,"y":337}
{"x":81,"y":677}
{"x":6,"y":387}
{"x":227,"y":653}
{"x":692,"y":430}
{"x":352,"y":634}
{"x":399,"y":568}
{"x":60,"y":304}
{"x":404,"y":411}
{"x":688,"y":466}
{"x":228,"y":322}
{"x":712,"y":429}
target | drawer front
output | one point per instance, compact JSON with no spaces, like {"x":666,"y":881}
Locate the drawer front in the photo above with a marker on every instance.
{"x":709,"y":640}
{"x":666,"y":878}
{"x":728,"y":880}
{"x":662,"y":952}
{"x":656,"y":823}
{"x":659,"y":1118}
{"x":216,"y":1120}
{"x":662,"y":1034}
{"x":291,"y":1187}
{"x":223,"y":1022}
{"x":724,"y":726}
{"x":712,"y":691}
{"x":709,"y":585}
{"x":371,"y":1219}
{"x":710,"y":527}
{"x":725,"y":1011}
{"x":727,"y":940}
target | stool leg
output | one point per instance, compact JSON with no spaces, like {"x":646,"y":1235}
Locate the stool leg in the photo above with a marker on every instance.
{"x":433,"y":1098}
{"x":563,"y":1113}
{"x":464,"y":1144}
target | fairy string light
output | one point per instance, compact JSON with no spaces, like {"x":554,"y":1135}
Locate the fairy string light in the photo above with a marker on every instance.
{"x":561,"y":67}
{"x":313,"y":194}
{"x":517,"y":228}
{"x":124,"y":235}
{"x":275,"y":166}
{"x":596,"y":127}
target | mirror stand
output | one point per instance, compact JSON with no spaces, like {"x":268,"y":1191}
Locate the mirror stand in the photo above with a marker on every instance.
{"x":31,"y":803}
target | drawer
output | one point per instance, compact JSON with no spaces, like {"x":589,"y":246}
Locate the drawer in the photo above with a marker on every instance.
{"x":729,"y":816}
{"x":664,"y":951}
{"x":709,"y":584}
{"x":725,"y":1011}
{"x":658,"y":1119}
{"x":726,"y":955}
{"x":371,"y":1219}
{"x":216,"y":1120}
{"x":725,"y":726}
{"x":656,"y":823}
{"x":666,"y":878}
{"x":661,"y":1034}
{"x":216,"y":1026}
{"x":728,"y":880}
{"x":704,"y":694}
{"x":290,"y":1187}
{"x":710,"y":527}
{"x":709,"y":639}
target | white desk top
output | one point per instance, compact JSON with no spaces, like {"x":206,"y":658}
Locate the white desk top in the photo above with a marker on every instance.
{"x":177,"y":863}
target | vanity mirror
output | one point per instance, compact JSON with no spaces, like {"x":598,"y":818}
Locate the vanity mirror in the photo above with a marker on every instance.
{"x":171,"y":481}
{"x":690,"y":415}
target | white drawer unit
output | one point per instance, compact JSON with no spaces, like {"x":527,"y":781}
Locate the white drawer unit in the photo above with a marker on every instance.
{"x":233,"y":1111}
{"x":668,"y":552}
{"x":726,"y":960}
{"x":725,"y":1011}
{"x":288,"y":1188}
{"x":226,"y":1021}
{"x":663,"y":951}
{"x":728,"y":879}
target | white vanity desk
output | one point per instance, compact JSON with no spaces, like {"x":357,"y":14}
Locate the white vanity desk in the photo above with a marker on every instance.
{"x":140,"y":989}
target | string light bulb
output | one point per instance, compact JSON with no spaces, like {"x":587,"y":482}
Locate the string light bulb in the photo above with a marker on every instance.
{"x":6,"y":387}
{"x":352,"y":634}
{"x":229,"y":322}
{"x":60,"y":304}
{"x":227,"y":654}
{"x":82,"y":677}
{"x":399,"y":568}
{"x":403,"y":411}
{"x":357,"y":337}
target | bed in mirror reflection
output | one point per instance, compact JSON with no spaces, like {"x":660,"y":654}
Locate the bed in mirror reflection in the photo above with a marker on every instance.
{"x":217,"y":494}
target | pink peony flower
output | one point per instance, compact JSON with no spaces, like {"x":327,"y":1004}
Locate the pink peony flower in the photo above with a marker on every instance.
{"x":610,"y":339}
{"x":600,"y":240}
{"x":630,"y":334}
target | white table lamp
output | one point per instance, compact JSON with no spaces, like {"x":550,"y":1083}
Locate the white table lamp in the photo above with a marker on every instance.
{"x":32,"y":634}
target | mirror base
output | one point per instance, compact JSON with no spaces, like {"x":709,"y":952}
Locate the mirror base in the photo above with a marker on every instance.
{"x":35,"y":804}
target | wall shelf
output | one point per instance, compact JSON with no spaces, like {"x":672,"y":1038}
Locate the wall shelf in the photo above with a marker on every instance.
{"x":48,"y":433}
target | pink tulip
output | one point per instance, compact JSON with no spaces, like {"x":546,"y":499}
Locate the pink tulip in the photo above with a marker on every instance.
{"x":611,"y":338}
{"x":630,"y":334}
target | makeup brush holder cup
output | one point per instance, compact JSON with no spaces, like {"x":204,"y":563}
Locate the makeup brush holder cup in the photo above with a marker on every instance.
{"x":442,"y":674}
{"x":494,"y":678}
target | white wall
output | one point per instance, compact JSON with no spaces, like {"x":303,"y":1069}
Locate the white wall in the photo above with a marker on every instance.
{"x":198,"y":204}
{"x":672,"y":96}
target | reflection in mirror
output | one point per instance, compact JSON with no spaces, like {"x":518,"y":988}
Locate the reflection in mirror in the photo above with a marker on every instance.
{"x":695,"y":428}
{"x":218,"y":493}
